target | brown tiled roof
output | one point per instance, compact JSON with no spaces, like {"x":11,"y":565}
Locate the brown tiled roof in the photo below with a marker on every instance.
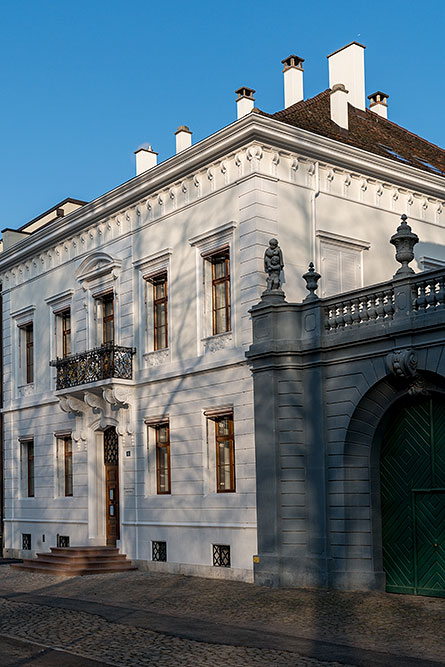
{"x":368,"y":131}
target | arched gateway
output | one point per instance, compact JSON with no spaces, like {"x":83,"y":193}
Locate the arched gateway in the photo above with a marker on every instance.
{"x":412,"y":487}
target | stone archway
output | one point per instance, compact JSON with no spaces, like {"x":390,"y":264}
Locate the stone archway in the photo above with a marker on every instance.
{"x":365,"y":436}
{"x":412,"y":491}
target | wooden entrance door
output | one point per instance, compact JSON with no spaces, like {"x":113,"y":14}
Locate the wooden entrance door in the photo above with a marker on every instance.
{"x":111,"y":460}
{"x":412,"y":478}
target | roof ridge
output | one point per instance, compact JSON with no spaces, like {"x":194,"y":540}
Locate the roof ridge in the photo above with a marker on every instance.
{"x":303,"y":104}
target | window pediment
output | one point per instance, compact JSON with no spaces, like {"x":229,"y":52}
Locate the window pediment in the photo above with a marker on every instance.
{"x":97,"y":267}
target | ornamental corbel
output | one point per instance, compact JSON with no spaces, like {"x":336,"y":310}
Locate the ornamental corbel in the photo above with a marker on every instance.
{"x":94,"y":402}
{"x":116,"y":396}
{"x":402,"y":363}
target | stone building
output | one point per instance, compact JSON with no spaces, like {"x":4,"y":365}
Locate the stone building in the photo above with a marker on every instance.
{"x":350,"y":434}
{"x":128,"y":400}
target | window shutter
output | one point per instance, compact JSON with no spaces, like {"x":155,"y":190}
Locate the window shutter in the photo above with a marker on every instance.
{"x":330,"y":269}
{"x":350,"y":269}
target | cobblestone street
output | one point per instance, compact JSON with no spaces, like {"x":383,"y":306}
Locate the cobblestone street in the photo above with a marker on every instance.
{"x":139,"y":619}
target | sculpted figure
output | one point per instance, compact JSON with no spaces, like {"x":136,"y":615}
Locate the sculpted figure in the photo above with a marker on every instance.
{"x":273,"y":264}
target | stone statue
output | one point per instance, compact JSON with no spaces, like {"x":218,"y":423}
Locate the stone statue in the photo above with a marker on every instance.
{"x":273,"y":264}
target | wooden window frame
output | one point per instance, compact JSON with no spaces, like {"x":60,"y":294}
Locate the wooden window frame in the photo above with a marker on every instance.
{"x":224,"y":438}
{"x":66,"y":332}
{"x":225,"y":279}
{"x":159,"y":447}
{"x":155,"y":281}
{"x":28,"y":356}
{"x":107,"y":298}
{"x":68,"y":469}
{"x":30,"y":482}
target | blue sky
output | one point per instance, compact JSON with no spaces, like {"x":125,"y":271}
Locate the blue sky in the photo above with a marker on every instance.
{"x":84,"y":83}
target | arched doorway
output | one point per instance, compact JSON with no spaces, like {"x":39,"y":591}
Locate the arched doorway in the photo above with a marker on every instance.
{"x":111,"y":461}
{"x":412,"y":488}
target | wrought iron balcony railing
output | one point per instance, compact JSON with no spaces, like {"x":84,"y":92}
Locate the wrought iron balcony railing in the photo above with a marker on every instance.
{"x":101,"y":363}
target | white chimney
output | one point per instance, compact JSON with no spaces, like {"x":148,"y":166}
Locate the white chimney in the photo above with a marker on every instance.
{"x":183,"y":138}
{"x":146,"y":158}
{"x":293,"y":80}
{"x":347,"y":66}
{"x":245,"y":101}
{"x":339,"y":105}
{"x":378,"y":103}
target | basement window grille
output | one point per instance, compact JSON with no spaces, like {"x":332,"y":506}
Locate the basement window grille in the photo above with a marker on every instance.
{"x":159,"y":551}
{"x":63,"y":540}
{"x":221,"y":555}
{"x":26,"y":541}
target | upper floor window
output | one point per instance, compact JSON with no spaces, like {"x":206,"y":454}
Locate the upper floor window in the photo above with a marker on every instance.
{"x":105,"y":318}
{"x":63,"y":333}
{"x":27,"y":353}
{"x":341,"y":262}
{"x":220,"y":292}
{"x":160,"y":311}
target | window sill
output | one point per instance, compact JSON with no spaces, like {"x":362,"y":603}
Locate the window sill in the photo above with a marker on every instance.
{"x":218,"y":342}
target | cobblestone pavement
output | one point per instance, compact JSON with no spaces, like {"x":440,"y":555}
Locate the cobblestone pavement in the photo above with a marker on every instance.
{"x":391,"y":624}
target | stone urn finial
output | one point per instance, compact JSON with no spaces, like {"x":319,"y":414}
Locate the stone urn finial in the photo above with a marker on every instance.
{"x":404,"y":241}
{"x":311,"y":277}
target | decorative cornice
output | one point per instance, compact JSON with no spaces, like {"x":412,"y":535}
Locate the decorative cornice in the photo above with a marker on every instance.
{"x":120,"y":210}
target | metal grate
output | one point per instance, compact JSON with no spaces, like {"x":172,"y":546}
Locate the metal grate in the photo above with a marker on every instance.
{"x":26,"y":541}
{"x":111,"y":446}
{"x":221,"y":555}
{"x":159,"y":551}
{"x":63,"y":540}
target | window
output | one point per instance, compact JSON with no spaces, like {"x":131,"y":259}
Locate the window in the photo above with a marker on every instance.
{"x":26,"y":541}
{"x":340,"y":269}
{"x":221,"y":555}
{"x":63,"y":333}
{"x":163,"y":458}
{"x":220,"y":292}
{"x":65,"y":465}
{"x":431,"y":263}
{"x":63,"y":541}
{"x":105,"y":319}
{"x":159,"y":551}
{"x":217,"y":280}
{"x":27,"y":353}
{"x":27,"y":461}
{"x":225,"y":454}
{"x":160,"y":311}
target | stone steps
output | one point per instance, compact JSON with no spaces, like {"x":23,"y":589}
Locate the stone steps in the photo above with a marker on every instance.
{"x":73,"y":561}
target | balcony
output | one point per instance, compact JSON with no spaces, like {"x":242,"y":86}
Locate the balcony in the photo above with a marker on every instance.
{"x":101,"y":363}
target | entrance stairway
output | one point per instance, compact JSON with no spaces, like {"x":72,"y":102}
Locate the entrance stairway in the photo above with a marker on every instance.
{"x":74,"y":561}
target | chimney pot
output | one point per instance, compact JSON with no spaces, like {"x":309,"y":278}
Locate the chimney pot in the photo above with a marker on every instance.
{"x":183,"y":138}
{"x":378,"y":103}
{"x":339,"y":105}
{"x":245,"y":101}
{"x":293,"y":80}
{"x":347,"y":66}
{"x":146,"y":158}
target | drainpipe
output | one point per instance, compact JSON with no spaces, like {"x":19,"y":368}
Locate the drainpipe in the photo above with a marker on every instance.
{"x":314,"y":196}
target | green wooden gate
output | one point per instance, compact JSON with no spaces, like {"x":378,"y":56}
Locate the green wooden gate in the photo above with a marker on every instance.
{"x":412,"y":481}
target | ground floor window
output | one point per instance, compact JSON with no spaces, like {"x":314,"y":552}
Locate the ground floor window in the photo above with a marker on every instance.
{"x":221,"y":555}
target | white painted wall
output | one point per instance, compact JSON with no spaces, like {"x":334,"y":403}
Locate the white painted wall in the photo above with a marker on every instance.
{"x":243,"y":199}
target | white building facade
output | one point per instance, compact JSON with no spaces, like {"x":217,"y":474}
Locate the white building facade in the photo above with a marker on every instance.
{"x":142,"y":434}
